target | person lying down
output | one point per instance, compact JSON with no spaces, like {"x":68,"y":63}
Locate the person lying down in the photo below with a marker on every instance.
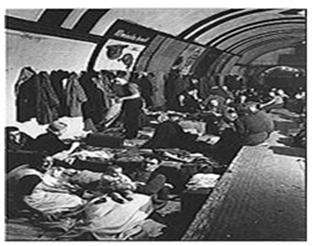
{"x":69,"y":199}
{"x":93,"y":184}
{"x":60,"y":190}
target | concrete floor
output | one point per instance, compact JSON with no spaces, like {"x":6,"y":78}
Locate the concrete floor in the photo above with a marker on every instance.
{"x":266,"y":195}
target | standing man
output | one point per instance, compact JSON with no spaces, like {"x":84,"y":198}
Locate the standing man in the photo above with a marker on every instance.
{"x":146,"y":88}
{"x":130,"y":96}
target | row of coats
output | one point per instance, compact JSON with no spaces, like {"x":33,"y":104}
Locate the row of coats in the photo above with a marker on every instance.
{"x":41,"y":96}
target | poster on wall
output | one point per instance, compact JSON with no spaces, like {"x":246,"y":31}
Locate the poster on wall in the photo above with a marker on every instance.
{"x":124,"y":45}
{"x":119,"y":55}
{"x":188,"y":57}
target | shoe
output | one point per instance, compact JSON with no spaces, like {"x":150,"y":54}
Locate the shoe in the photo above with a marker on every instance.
{"x":163,"y":194}
{"x":117,"y":198}
{"x":158,"y":204}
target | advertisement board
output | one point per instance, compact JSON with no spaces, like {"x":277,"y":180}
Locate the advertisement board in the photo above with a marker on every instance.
{"x":124,"y":44}
{"x":118,"y":55}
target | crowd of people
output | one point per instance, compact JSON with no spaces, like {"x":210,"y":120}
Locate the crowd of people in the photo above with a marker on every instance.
{"x":106,"y":97}
{"x":237,"y":115}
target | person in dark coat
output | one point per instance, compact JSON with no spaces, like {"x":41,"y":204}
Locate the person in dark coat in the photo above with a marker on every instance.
{"x":146,"y":88}
{"x":51,"y":142}
{"x":169,"y":134}
{"x":94,"y":109}
{"x":174,"y":85}
{"x":254,"y":126}
{"x":188,"y":101}
{"x":131,"y":98}
{"x":17,"y":140}
{"x":19,"y":149}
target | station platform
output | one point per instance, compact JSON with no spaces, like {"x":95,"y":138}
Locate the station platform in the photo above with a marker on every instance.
{"x":262,"y":195}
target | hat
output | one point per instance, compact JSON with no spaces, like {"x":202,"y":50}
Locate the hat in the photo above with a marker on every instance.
{"x":56,"y":126}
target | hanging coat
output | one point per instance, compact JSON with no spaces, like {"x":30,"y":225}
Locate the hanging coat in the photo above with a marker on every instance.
{"x":25,"y":90}
{"x":47,"y":102}
{"x":75,"y":96}
{"x":56,"y":78}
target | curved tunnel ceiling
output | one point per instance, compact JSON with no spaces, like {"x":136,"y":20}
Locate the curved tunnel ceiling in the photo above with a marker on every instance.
{"x":260,"y":50}
{"x":292,"y":32}
{"x":283,"y":30}
{"x":245,"y":32}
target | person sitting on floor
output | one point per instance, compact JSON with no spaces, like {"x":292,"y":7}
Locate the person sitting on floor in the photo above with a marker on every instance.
{"x":213,"y":115}
{"x":19,"y":149}
{"x":214,"y":104}
{"x":188,"y":100}
{"x":17,"y":140}
{"x":51,"y":142}
{"x":276,"y":102}
{"x":169,"y":134}
{"x":254,"y":125}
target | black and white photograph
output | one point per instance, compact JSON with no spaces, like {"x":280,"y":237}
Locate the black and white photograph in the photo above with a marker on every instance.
{"x":155,"y":124}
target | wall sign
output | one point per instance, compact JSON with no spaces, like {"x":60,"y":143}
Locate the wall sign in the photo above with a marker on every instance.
{"x":118,"y":55}
{"x":125,"y":43}
{"x":131,"y":32}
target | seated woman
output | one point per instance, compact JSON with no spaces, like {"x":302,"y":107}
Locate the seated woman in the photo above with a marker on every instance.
{"x":51,"y":142}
